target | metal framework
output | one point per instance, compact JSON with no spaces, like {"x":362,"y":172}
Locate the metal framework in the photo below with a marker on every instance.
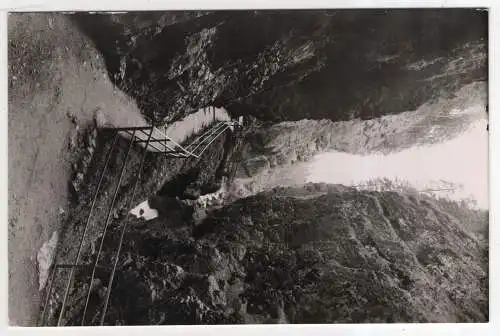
{"x":156,"y":140}
{"x":151,"y":139}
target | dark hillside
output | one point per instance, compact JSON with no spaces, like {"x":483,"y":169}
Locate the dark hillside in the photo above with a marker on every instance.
{"x":318,"y":254}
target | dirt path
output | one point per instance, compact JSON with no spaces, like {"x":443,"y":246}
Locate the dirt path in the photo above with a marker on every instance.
{"x":57,"y":83}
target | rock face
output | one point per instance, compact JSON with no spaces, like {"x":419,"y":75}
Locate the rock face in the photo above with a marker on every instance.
{"x":290,"y":65}
{"x":317,"y":254}
{"x":286,"y":143}
{"x":166,"y":177}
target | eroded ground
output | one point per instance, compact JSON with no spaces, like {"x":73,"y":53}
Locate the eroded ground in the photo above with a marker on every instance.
{"x":57,"y":83}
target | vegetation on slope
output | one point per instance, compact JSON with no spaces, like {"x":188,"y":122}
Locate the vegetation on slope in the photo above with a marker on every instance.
{"x":317,"y":254}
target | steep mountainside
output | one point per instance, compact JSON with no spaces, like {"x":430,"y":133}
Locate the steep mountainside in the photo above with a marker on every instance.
{"x":305,"y":255}
{"x":290,"y":65}
{"x":286,"y":143}
{"x":323,"y":66}
{"x":317,"y":254}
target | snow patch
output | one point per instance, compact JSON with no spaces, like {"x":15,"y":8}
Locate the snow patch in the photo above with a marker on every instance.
{"x":45,"y":258}
{"x":144,"y":211}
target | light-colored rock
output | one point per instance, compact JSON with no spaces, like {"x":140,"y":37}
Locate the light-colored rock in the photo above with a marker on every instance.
{"x":45,"y":258}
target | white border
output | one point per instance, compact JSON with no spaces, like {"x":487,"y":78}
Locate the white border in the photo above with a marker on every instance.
{"x":124,"y":5}
{"x":491,"y":328}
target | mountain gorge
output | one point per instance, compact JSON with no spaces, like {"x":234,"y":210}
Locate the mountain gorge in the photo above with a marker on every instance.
{"x":390,"y":80}
{"x":306,"y":82}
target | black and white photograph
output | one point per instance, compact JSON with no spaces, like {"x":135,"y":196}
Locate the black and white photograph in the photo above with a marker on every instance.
{"x":229,"y":167}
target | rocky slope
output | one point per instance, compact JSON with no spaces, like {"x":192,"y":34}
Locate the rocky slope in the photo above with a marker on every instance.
{"x":181,"y":178}
{"x":287,"y":143}
{"x":279,"y":154}
{"x":290,"y":65}
{"x":316,"y":254}
{"x":392,"y":81}
{"x":250,"y":262}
